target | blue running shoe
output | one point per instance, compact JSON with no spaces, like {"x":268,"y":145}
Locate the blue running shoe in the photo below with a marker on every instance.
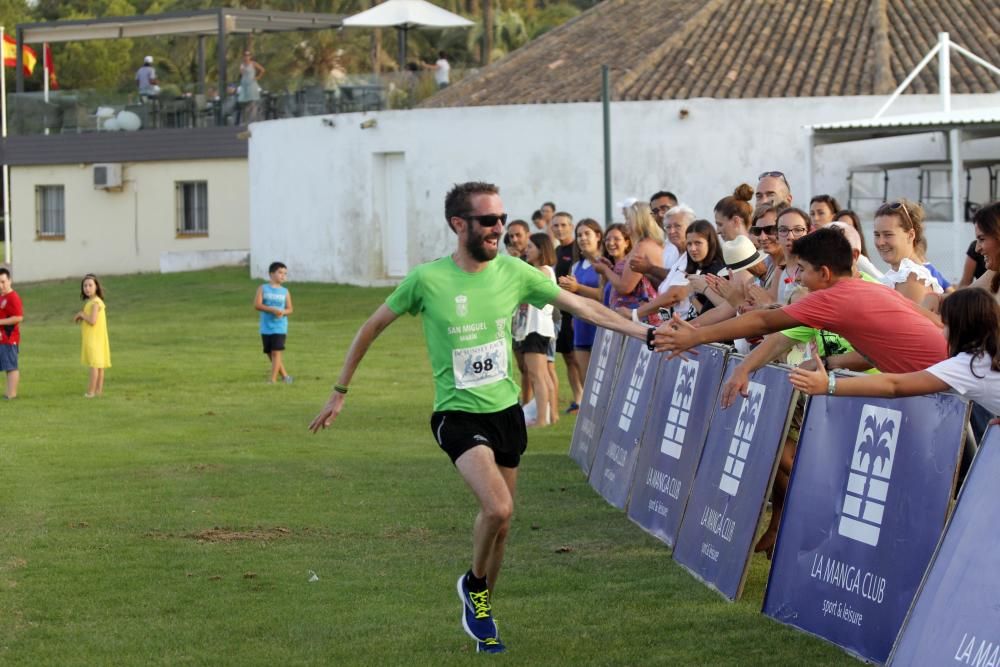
{"x":477,"y":617}
{"x":491,"y":645}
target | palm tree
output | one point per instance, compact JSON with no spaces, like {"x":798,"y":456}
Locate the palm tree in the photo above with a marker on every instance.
{"x":877,"y":434}
{"x":685,"y":388}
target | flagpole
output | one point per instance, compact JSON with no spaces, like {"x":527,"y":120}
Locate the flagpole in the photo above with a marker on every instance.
{"x":45,"y":78}
{"x":6,"y":170}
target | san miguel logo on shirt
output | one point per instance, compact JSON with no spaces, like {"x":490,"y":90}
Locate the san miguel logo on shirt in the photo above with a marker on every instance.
{"x":634,"y":393}
{"x":461,"y":305}
{"x":871,"y":468}
{"x":680,"y":409}
{"x":739,"y":448}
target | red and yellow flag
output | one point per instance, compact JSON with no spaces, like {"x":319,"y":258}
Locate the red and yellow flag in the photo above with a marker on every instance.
{"x":29,"y":57}
{"x":53,"y":82}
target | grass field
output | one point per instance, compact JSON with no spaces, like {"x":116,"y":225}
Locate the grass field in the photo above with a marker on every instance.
{"x":177,"y":519}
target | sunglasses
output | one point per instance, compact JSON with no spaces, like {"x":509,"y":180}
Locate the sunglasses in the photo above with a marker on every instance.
{"x":488,"y":220}
{"x":773,"y":174}
{"x":660,"y":209}
{"x":900,"y":206}
{"x":770,"y":230}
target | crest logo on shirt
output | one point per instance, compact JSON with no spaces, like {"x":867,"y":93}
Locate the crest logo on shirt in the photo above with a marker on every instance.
{"x":461,"y":305}
{"x":868,"y":479}
{"x":502,"y":327}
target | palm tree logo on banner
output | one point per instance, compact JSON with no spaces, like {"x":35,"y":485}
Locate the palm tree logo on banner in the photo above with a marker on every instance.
{"x":634,"y":393}
{"x":680,"y":409}
{"x":739,"y":447}
{"x":604,"y":352}
{"x":871,"y":468}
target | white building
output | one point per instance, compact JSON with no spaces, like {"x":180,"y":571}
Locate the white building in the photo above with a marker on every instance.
{"x":708,"y":95}
{"x":114,"y":203}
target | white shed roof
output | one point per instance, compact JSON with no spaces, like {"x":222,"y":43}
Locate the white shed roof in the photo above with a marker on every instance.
{"x":986,"y":115}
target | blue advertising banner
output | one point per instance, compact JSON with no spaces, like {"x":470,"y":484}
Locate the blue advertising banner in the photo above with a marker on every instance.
{"x":597,"y":390}
{"x":732,"y":482}
{"x":866,"y":504}
{"x":680,"y":413}
{"x":955,"y":618}
{"x":614,"y":462}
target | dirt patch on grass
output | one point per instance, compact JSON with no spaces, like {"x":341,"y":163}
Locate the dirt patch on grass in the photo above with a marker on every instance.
{"x":406,"y":533}
{"x":231,"y":535}
{"x":14,"y":563}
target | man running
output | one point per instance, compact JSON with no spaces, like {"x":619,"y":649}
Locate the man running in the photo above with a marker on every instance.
{"x":466,"y":300}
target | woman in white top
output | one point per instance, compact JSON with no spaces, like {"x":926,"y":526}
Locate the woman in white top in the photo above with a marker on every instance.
{"x":534,"y":328}
{"x":972,"y":327}
{"x":899,"y":231}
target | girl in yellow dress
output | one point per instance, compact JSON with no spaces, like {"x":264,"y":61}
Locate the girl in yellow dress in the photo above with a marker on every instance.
{"x":95,"y":350}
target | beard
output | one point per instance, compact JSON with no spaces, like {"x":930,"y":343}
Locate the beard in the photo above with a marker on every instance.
{"x":479,"y":251}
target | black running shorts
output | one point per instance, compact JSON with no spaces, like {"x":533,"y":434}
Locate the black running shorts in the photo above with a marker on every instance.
{"x":273,"y":342}
{"x":564,"y":341}
{"x":504,"y":432}
{"x":535,"y":343}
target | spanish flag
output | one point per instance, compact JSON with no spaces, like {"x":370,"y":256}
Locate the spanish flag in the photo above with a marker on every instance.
{"x":29,"y":57}
{"x":53,"y":82}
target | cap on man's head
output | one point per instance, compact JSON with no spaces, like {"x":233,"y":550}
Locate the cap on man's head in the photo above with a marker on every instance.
{"x":739,"y":254}
{"x":148,"y":60}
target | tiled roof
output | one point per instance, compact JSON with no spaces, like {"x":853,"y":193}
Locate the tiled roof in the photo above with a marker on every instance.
{"x":678,"y":49}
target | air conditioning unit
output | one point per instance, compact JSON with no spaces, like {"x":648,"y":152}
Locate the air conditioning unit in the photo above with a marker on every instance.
{"x":107,"y":176}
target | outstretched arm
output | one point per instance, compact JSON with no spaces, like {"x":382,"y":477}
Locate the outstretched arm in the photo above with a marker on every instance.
{"x":678,"y":335}
{"x":773,"y":347}
{"x":366,"y":335}
{"x":886,"y":385}
{"x":596,"y":313}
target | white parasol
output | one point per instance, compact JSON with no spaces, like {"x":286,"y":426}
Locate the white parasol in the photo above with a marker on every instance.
{"x":406,"y":14}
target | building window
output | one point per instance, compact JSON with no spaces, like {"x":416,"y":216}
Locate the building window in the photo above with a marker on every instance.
{"x":50,"y":212}
{"x":192,"y":208}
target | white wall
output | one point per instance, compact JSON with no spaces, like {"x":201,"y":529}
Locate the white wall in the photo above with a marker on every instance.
{"x":313,"y":199}
{"x":128,"y":231}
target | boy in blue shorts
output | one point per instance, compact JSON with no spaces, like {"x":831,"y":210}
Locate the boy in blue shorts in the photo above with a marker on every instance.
{"x":274,"y":302}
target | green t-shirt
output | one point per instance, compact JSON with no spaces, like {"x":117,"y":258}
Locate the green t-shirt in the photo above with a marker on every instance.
{"x":466,"y":319}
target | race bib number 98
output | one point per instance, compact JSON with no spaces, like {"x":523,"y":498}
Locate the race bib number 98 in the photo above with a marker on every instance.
{"x":478,"y":366}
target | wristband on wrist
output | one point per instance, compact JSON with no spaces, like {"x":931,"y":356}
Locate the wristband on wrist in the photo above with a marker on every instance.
{"x":831,"y":384}
{"x":340,"y":389}
{"x":650,"y":332}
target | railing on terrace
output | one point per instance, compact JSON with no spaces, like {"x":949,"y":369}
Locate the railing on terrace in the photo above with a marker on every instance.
{"x":76,"y":111}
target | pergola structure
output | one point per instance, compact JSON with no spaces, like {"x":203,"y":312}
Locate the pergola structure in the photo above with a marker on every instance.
{"x":956,"y":125}
{"x":219,"y":23}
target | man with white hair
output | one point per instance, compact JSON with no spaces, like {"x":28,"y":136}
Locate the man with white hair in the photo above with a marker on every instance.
{"x":675,"y":224}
